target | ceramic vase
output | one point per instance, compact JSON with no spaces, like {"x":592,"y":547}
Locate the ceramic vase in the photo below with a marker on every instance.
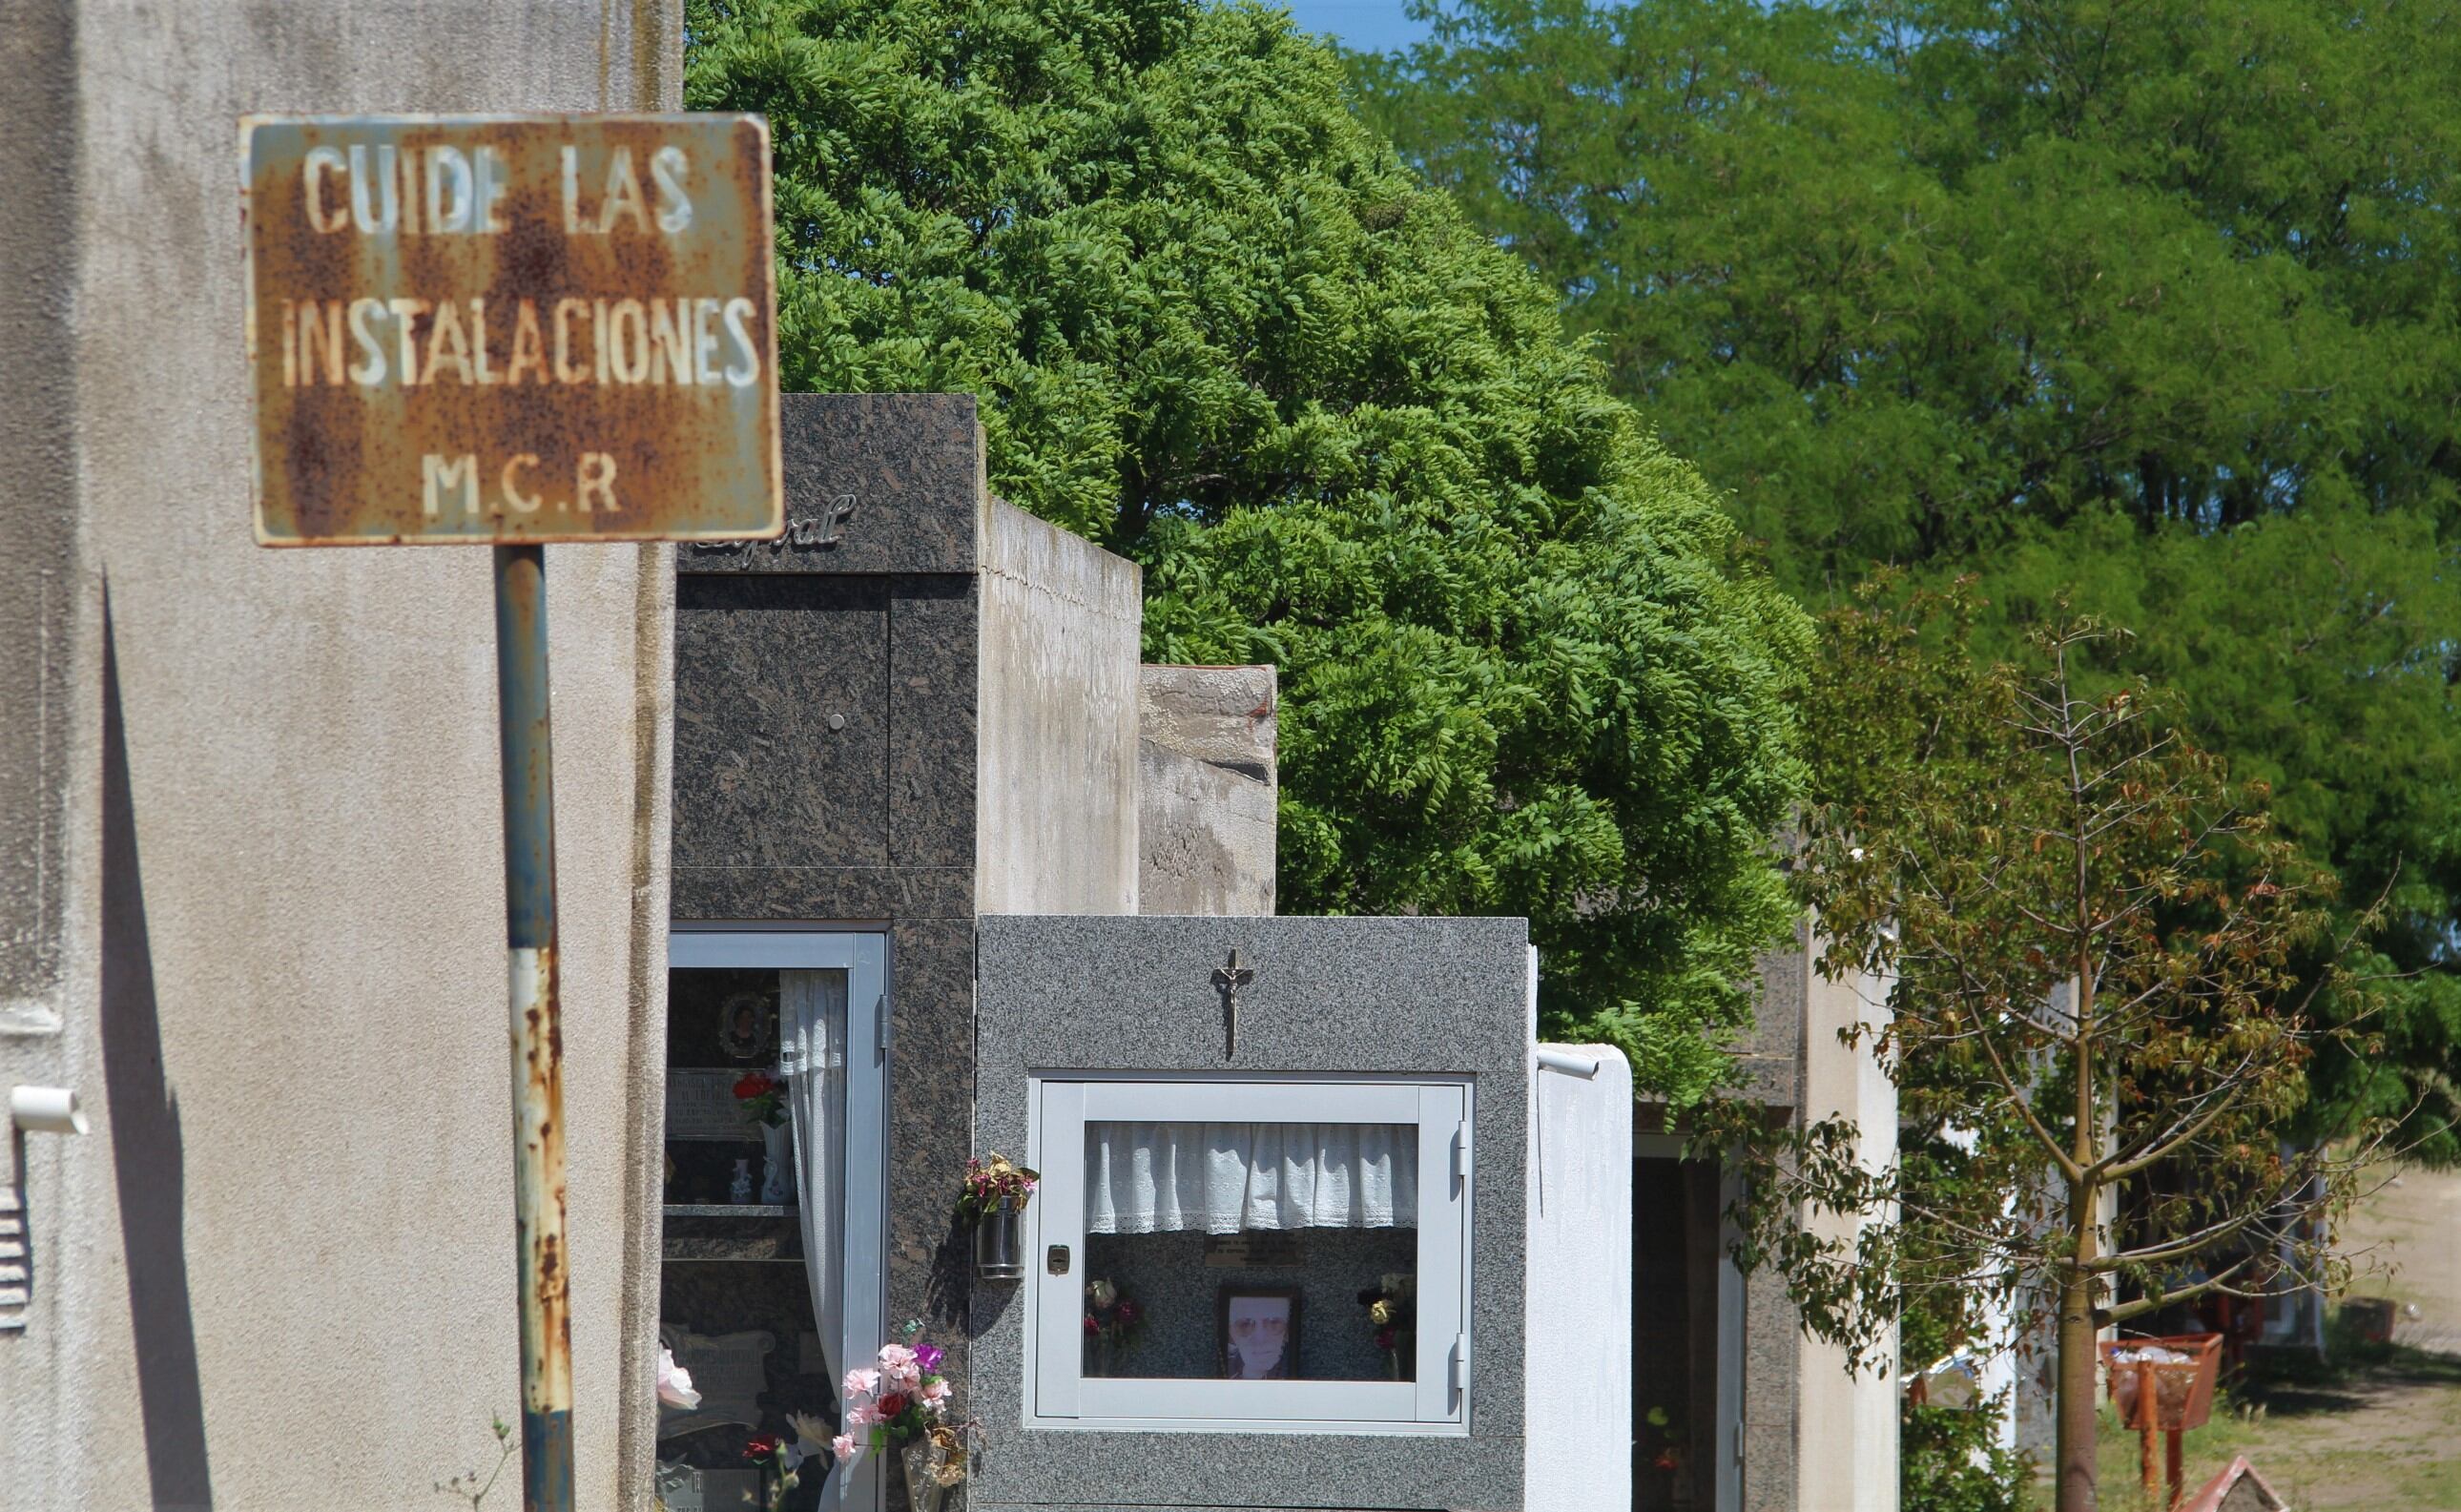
{"x":740,"y":1189}
{"x":777,"y":1173}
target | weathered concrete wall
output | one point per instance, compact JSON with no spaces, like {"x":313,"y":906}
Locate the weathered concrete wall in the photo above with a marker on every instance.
{"x":1056,"y":801}
{"x":280,"y":1273}
{"x":1207,"y":789}
{"x":40,"y":703}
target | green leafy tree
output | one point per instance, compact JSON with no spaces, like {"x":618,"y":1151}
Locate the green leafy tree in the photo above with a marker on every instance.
{"x":1217,"y":324}
{"x":2148,"y":307}
{"x":2099,"y":1002}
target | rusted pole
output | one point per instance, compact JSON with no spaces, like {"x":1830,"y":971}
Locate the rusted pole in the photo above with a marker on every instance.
{"x":537,"y":1036}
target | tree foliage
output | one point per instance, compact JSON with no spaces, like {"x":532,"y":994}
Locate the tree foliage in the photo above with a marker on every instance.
{"x":2148,"y":306}
{"x":2101,"y":968}
{"x":1216,"y":324}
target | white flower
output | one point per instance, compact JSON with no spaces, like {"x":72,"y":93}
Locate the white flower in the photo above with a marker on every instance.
{"x":675,"y":1382}
{"x":810,"y":1435}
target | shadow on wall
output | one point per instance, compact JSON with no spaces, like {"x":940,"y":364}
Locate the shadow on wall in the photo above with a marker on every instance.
{"x":145,"y":1152}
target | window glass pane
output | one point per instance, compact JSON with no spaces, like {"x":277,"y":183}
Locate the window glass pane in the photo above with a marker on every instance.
{"x":1278,"y":1251}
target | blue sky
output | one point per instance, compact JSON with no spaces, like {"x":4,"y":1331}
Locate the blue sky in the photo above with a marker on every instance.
{"x":1370,"y":26}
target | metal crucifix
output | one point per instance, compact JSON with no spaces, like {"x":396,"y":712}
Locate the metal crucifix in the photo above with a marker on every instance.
{"x":1229,"y":978}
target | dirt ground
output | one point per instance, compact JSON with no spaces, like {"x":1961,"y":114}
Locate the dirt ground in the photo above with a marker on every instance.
{"x":2378,"y":1430}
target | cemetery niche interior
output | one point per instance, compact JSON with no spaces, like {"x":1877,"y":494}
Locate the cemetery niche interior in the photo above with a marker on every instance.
{"x":954,"y":875}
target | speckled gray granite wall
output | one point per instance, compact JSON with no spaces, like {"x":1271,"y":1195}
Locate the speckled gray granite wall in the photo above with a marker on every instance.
{"x":875,"y":483}
{"x":826,"y":757}
{"x":1332,"y":995}
{"x":829,"y":751}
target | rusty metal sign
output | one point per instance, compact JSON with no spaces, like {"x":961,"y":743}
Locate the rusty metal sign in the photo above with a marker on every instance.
{"x":516,"y":329}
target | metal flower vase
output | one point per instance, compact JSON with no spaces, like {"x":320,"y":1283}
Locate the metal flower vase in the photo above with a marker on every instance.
{"x":999,"y":1244}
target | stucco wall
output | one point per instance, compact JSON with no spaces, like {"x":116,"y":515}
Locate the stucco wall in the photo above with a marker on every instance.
{"x":280,"y":1271}
{"x":1578,"y":1357}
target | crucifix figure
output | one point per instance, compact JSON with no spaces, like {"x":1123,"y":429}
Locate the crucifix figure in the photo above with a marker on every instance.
{"x":1230,"y":979}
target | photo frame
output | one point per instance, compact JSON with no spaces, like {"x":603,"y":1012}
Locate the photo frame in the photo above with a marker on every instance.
{"x":747,"y":1027}
{"x":1256,"y":1332}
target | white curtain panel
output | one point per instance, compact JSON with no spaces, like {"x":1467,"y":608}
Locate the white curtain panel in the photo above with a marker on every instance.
{"x":811,"y":1055}
{"x":1221,"y":1178}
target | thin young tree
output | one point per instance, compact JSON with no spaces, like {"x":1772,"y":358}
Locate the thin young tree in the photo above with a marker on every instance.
{"x":2100,"y":961}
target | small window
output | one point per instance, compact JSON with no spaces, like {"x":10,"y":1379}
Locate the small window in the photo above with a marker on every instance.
{"x":1249,"y":1255}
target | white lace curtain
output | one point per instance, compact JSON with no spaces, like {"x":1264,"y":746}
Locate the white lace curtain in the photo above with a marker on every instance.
{"x":811,"y":1053}
{"x":1221,"y":1178}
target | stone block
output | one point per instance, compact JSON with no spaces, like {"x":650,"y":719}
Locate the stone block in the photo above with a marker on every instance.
{"x":1207,"y":790}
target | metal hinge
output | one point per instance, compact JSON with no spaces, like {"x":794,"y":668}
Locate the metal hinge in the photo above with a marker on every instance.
{"x":1458,"y":1367}
{"x":880,"y":1024}
{"x":1460,"y":1154}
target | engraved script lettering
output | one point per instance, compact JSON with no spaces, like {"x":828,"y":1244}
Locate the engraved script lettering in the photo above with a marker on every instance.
{"x":823,"y":534}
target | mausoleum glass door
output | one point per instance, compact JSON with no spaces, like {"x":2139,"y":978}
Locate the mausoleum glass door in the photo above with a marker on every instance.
{"x":1238,"y":1254}
{"x":774,"y":1188}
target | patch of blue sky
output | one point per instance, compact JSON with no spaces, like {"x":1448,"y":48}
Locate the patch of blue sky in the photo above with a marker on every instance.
{"x":1363,"y":26}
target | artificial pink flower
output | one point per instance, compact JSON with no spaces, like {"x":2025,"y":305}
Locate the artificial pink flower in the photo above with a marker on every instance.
{"x":842,"y":1447}
{"x":860,"y":1383}
{"x":934,"y":1390}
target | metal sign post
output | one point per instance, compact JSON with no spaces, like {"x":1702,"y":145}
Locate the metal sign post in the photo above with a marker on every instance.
{"x":537,"y":1029}
{"x":511,"y":330}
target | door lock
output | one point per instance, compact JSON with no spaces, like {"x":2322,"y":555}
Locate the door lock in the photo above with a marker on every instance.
{"x":1056,"y":1260}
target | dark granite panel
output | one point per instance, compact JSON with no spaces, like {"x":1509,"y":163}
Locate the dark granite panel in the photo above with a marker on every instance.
{"x":930,"y":1124}
{"x":875,"y":483}
{"x":934,"y":629}
{"x":1333,"y":995}
{"x":845,"y":894}
{"x":781,"y":722}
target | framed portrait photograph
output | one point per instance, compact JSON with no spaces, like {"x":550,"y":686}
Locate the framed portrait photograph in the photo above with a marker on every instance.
{"x":1259,"y":1332}
{"x":747,"y":1027}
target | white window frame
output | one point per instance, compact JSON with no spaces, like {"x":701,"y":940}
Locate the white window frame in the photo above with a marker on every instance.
{"x":1059,"y":1396}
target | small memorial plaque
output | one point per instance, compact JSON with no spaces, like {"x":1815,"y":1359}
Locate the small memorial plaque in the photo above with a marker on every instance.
{"x":702,"y":1105}
{"x":1251,"y":1251}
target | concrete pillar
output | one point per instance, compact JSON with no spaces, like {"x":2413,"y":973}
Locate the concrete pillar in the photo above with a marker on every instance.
{"x":1848,"y":1435}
